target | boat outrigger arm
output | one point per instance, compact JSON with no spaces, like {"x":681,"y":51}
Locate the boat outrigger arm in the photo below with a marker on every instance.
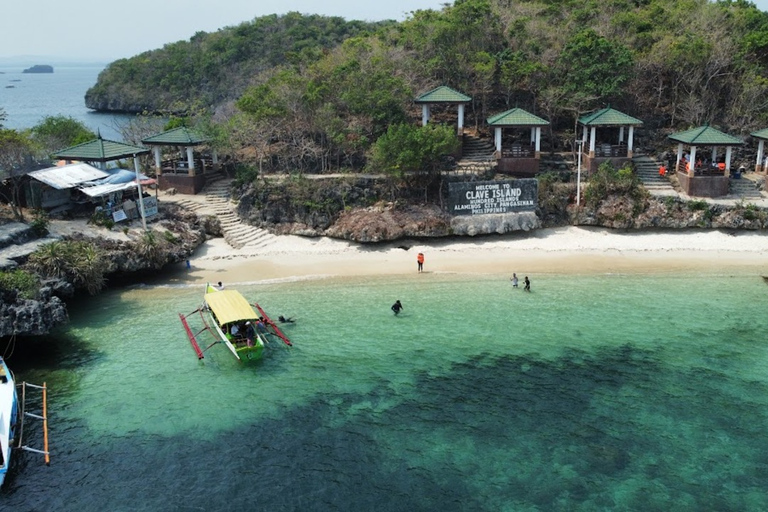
{"x":274,"y":326}
{"x":19,"y":442}
{"x":193,"y":336}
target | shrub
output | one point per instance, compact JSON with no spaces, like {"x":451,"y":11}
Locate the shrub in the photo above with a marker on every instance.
{"x":40,"y":223}
{"x":81,"y":263}
{"x":607,"y":180}
{"x":698,"y":205}
{"x":245,"y":174}
{"x":100,"y":218}
{"x":25,"y":283}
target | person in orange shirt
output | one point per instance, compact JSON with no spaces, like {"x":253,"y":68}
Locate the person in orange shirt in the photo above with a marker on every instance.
{"x":420,"y":261}
{"x":721,"y":166}
{"x":662,"y":171}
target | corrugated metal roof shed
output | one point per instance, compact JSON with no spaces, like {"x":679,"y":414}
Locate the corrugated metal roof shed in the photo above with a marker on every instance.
{"x":68,"y":176}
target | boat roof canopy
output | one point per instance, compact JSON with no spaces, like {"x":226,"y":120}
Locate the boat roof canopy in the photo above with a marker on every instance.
{"x":229,"y":306}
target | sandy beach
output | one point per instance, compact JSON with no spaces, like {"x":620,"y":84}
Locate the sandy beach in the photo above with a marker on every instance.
{"x":549,"y":251}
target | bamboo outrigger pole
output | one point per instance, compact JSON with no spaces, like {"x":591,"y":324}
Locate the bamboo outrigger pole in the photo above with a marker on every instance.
{"x":44,"y":417}
{"x":45,"y":425}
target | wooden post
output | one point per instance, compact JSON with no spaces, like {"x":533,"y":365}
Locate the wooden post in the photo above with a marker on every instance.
{"x":158,"y":162}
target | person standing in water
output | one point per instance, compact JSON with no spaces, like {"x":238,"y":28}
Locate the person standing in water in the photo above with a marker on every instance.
{"x":514,"y":280}
{"x":527,"y":282}
{"x":396,"y":307}
{"x":420,"y":261}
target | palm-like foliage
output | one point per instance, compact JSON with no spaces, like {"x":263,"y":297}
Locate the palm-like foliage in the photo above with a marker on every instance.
{"x":82,"y":263}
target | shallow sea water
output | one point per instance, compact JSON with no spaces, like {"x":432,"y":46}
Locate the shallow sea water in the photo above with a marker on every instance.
{"x":593,"y":392}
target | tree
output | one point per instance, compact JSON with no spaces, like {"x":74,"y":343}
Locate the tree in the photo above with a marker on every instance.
{"x":594,"y":66}
{"x":16,"y":158}
{"x":409,"y":151}
{"x":59,"y":132}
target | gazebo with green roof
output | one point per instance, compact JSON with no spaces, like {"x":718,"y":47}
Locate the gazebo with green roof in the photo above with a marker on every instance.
{"x":598,"y":125}
{"x":516,"y":157}
{"x":761,"y":166}
{"x":181,"y":173}
{"x":100,"y":151}
{"x":442,"y":94}
{"x":708,"y":177}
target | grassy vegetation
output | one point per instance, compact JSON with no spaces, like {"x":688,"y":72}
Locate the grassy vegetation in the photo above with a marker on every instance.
{"x":25,"y":283}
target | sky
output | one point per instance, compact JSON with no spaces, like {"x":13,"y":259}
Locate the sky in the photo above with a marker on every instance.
{"x":106,"y":30}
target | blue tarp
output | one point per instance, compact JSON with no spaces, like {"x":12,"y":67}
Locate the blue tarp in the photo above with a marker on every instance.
{"x":119,"y":176}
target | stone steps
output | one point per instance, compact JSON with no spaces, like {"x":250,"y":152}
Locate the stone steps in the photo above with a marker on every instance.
{"x":216,"y":201}
{"x":647,"y":170}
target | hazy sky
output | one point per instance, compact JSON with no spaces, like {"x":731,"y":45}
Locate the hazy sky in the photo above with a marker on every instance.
{"x":106,"y":30}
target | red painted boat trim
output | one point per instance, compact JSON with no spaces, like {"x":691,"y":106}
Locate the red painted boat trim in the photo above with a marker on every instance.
{"x":192,"y":339}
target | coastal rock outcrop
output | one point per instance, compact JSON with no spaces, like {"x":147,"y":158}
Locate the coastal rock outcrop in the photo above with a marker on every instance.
{"x":174,"y":239}
{"x":34,"y":317}
{"x":386,"y":222}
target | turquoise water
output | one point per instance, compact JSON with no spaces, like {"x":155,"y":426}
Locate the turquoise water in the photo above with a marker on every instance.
{"x":608,"y":392}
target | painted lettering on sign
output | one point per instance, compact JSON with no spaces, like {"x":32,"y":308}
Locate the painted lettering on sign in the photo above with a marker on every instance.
{"x":480,"y":198}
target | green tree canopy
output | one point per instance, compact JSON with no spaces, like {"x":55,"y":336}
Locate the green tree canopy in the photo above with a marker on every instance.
{"x":59,"y":132}
{"x":407,"y":148}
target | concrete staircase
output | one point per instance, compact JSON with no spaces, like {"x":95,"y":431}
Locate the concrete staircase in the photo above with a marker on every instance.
{"x":216,"y":201}
{"x":477,"y":155}
{"x":648,"y":173}
{"x":745,"y":189}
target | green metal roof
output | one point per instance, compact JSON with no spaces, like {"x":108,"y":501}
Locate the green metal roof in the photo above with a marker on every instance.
{"x":100,"y":150}
{"x":706,"y":136}
{"x":516,"y":117}
{"x":760,"y":134}
{"x":609,"y":117}
{"x":181,"y":136}
{"x":443,"y":94}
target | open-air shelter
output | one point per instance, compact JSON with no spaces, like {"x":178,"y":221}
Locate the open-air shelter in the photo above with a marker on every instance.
{"x":761,"y":166}
{"x":100,"y":151}
{"x":185,"y":171}
{"x":702,"y":174}
{"x":446,"y":95}
{"x":603,"y":134}
{"x":518,"y":154}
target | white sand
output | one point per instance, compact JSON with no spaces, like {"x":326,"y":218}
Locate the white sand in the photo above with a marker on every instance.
{"x":561,"y":250}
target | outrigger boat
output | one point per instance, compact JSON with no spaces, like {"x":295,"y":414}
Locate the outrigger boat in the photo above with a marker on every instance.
{"x":12,"y":414}
{"x":225,"y":314}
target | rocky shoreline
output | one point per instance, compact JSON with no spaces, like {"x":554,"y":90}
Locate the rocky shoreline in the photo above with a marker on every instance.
{"x":21,"y":316}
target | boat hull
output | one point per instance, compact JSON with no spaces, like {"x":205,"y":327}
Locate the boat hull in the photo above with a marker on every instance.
{"x":9,"y":412}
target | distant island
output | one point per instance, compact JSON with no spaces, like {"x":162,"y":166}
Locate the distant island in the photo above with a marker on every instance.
{"x":39,"y":68}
